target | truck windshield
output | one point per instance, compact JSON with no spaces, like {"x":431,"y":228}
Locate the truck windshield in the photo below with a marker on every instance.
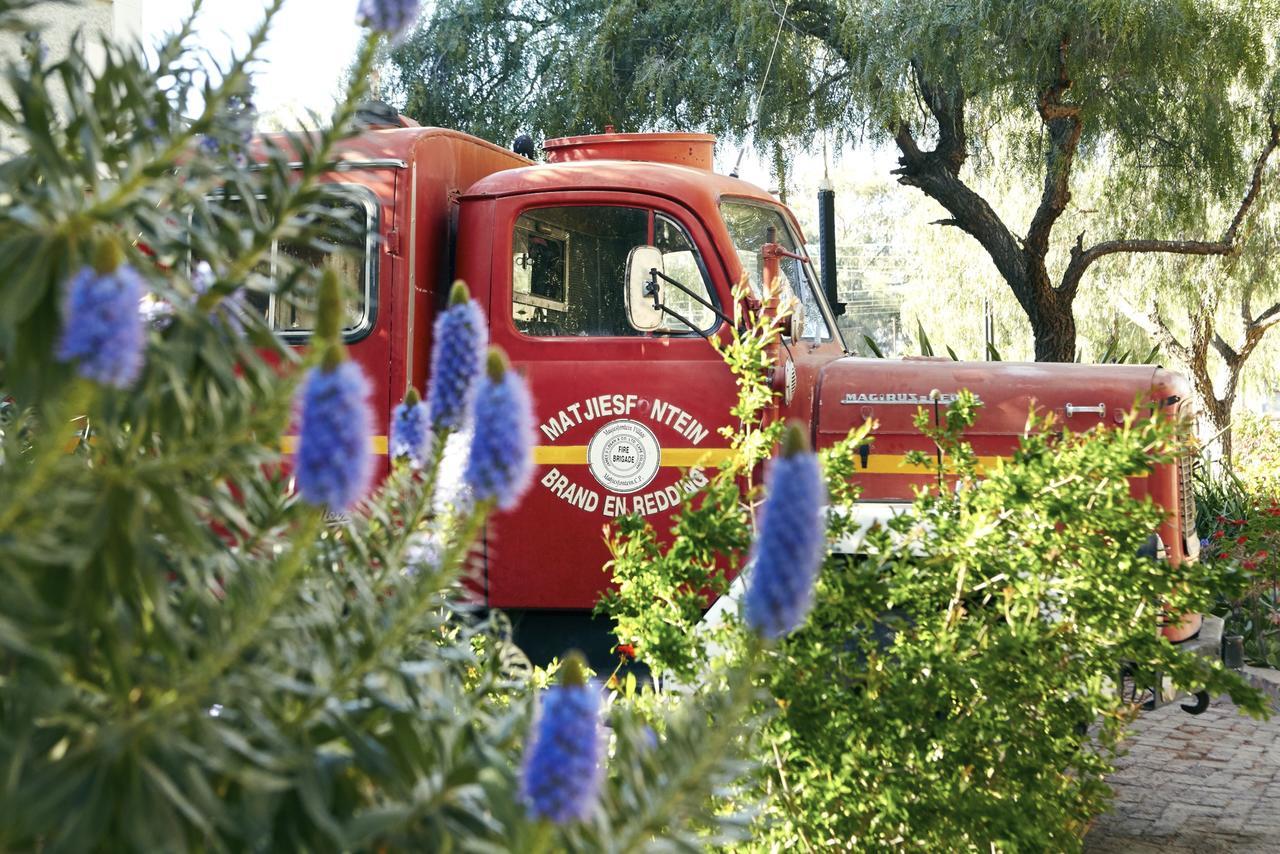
{"x":750,"y":227}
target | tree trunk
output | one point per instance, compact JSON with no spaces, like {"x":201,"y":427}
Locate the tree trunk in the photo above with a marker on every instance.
{"x":1219,"y":413}
{"x":1055,"y":334}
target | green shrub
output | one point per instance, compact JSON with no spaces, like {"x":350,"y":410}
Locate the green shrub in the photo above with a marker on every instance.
{"x":939,"y":696}
{"x":1256,"y":449}
{"x":1239,"y":522}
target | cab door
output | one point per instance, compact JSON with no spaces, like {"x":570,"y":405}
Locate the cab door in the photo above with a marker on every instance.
{"x":627,"y":421}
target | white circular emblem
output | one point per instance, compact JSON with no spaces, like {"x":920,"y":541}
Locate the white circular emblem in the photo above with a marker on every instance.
{"x":624,"y":456}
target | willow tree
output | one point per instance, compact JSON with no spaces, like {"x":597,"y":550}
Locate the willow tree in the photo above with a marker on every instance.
{"x":1166,"y":94}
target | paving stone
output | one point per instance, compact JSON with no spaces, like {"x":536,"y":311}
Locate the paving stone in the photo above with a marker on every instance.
{"x":1207,"y":783}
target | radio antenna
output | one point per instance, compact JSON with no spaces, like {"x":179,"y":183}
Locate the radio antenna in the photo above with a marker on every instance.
{"x":763,"y":82}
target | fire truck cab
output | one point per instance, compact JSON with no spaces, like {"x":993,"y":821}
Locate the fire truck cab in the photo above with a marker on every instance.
{"x":629,"y":399}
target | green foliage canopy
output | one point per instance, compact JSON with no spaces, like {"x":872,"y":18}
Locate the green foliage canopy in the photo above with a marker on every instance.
{"x":1168,"y":83}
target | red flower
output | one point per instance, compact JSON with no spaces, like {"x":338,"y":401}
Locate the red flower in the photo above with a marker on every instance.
{"x":1241,"y":540}
{"x":1250,"y":564}
{"x":1262,"y":554}
{"x":1217,"y":535}
{"x":1223,"y":556}
{"x":1222,"y":518}
{"x":1237,"y":521}
{"x":627,"y":651}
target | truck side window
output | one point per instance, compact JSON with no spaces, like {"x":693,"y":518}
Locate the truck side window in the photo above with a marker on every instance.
{"x":680,"y":262}
{"x":569,"y":266}
{"x":345,"y":249}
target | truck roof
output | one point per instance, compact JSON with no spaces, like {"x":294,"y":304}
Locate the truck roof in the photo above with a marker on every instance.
{"x":682,"y":183}
{"x":405,"y":143}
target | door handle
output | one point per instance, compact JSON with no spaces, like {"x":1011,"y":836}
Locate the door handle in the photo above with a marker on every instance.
{"x":1100,"y":409}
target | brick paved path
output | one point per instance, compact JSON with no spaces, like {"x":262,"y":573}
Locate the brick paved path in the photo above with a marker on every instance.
{"x":1191,"y":785}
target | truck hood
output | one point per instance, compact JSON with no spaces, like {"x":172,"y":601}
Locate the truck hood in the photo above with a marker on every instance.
{"x":852,"y":390}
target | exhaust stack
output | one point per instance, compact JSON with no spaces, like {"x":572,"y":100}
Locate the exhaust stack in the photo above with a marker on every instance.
{"x":827,"y":245}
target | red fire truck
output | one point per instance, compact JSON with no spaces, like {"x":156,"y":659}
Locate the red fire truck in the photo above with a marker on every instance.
{"x":629,"y":399}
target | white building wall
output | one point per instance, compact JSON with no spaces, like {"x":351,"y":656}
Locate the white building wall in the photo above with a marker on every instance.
{"x":56,"y":24}
{"x":126,"y":20}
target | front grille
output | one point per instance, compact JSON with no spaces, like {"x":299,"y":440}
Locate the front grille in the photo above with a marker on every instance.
{"x":1187,"y":494}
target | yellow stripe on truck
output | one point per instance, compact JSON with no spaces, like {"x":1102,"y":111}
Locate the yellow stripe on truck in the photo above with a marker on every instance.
{"x":377,"y":444}
{"x":566,"y":455}
{"x":569,"y":455}
{"x":897,"y":464}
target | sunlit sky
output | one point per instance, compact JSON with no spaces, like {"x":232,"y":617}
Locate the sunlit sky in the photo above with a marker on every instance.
{"x":311,"y":43}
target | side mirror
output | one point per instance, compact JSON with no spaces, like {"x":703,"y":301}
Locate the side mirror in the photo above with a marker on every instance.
{"x":644,"y":290}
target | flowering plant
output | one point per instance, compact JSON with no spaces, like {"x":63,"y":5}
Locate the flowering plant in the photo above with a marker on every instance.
{"x":198,"y":651}
{"x":1239,"y":520}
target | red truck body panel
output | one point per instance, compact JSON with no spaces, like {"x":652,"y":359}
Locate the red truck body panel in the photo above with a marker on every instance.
{"x":416,"y":176}
{"x":891,"y":390}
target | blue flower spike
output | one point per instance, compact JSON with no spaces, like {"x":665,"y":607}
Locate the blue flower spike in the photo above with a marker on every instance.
{"x":334,"y":462}
{"x":457,"y":360}
{"x":410,"y":432}
{"x":393,"y":17}
{"x":103,"y":330}
{"x":500,"y":465}
{"x":564,"y":762}
{"x":790,"y":541}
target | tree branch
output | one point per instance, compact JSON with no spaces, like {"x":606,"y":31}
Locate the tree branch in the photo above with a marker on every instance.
{"x":1254,"y":330}
{"x":912,"y":157}
{"x":1081,"y":258}
{"x":936,"y":174}
{"x":1267,"y":318}
{"x":1064,"y":126}
{"x":1153,"y":324}
{"x":1225,"y":350}
{"x":947,"y":108}
{"x":931,"y":173}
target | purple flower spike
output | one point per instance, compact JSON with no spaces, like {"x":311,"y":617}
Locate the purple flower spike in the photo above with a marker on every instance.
{"x":409,"y":430}
{"x":457,"y":360}
{"x":563,"y":766}
{"x":790,"y":542}
{"x":334,"y":463}
{"x":102,"y":329}
{"x":500,"y":467}
{"x":388,"y":16}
